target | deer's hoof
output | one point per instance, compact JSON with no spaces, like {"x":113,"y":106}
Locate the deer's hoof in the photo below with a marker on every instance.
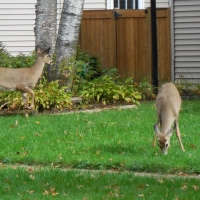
{"x":30,"y":108}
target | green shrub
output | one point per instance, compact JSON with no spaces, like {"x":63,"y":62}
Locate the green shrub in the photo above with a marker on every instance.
{"x":83,"y":75}
{"x":89,"y":67}
{"x":107,"y":89}
{"x":19,"y":61}
{"x":51,"y":95}
{"x":146,"y":89}
{"x":10,"y":100}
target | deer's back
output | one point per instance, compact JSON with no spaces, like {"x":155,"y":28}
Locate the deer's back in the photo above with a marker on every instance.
{"x":168,"y":100}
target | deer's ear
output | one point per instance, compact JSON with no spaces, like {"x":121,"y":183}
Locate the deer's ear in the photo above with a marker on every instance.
{"x":156,"y":129}
{"x":37,"y":49}
{"x":46,"y":51}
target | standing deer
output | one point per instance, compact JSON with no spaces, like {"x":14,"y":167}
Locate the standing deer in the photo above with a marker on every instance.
{"x":168,"y":103}
{"x":25,"y":79}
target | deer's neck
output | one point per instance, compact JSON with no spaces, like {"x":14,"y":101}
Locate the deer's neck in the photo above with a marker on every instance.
{"x":167,"y":121}
{"x":38,"y":66}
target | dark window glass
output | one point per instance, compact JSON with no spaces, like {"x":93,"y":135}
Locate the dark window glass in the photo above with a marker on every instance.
{"x":115,"y":3}
{"x":130,"y":4}
{"x":136,"y":4}
{"x":122,"y":4}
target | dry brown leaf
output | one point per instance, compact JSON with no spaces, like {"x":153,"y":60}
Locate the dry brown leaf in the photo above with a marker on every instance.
{"x":141,"y":195}
{"x":37,"y":134}
{"x":184,"y":187}
{"x":46,"y":192}
{"x":53,"y":192}
{"x":195,"y":187}
{"x":30,"y":170}
{"x":32,"y":177}
{"x":30,"y":191}
{"x":193,"y":146}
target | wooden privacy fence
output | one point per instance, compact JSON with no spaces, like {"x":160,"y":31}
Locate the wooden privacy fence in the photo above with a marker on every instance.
{"x":122,"y":39}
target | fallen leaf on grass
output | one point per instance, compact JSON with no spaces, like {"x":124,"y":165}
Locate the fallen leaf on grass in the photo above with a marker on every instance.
{"x":37,"y":134}
{"x":30,"y":170}
{"x":51,"y":191}
{"x":80,"y":186}
{"x":160,"y":181}
{"x":30,"y":191}
{"x":193,"y":146}
{"x":182,"y":174}
{"x":184,"y":187}
{"x":195,"y":187}
{"x":32,"y":177}
{"x":141,"y":195}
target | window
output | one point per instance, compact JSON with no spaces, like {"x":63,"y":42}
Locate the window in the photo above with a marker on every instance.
{"x":126,"y":4}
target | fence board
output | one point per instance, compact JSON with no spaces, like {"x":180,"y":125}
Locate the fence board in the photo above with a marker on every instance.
{"x":131,"y":47}
{"x":125,"y":42}
{"x":98,"y":36}
{"x":164,"y":45}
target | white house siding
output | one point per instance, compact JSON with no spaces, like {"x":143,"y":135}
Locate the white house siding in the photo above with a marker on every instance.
{"x":95,"y":5}
{"x":186,"y":40}
{"x":17,"y":18}
{"x":159,"y":3}
{"x":17,"y":22}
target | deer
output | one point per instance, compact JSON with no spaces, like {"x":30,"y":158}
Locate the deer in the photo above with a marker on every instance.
{"x":25,"y":79}
{"x":168,"y":103}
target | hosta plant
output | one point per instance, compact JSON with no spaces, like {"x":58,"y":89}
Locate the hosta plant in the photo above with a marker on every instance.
{"x":106,"y":89}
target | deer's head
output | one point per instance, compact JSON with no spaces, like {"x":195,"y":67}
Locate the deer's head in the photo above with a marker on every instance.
{"x":163,"y":139}
{"x":44,"y":54}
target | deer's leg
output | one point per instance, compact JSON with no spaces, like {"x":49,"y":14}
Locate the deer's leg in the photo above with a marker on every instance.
{"x":31,"y":92}
{"x":178,"y":134}
{"x":155,"y":136}
{"x":25,"y":100}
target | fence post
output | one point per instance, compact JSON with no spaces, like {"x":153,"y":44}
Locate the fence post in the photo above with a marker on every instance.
{"x":154,"y":46}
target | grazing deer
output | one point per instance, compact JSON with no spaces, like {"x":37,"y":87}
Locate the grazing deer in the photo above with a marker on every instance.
{"x":168,"y":103}
{"x":25,"y":79}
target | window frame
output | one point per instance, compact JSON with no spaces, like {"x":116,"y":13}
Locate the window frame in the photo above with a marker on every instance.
{"x":110,"y":4}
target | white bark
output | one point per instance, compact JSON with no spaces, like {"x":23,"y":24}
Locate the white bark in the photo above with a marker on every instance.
{"x":45,"y":26}
{"x":68,"y":33}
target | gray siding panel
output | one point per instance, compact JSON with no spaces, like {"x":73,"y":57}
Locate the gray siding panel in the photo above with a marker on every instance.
{"x":186,"y":40}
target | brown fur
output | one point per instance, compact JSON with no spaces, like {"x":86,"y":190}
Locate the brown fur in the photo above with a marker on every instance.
{"x":24,"y":79}
{"x":168,"y":103}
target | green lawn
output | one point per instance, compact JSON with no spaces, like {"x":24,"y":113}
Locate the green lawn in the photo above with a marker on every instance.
{"x":116,"y":139}
{"x":36,"y":183}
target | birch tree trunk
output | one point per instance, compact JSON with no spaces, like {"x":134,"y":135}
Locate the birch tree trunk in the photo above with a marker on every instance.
{"x":45,"y":27}
{"x":67,"y":40}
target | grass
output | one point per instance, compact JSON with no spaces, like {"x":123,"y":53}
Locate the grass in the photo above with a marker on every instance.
{"x":30,"y":183}
{"x":117,"y":139}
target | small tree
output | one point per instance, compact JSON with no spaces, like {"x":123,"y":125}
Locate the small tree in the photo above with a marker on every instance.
{"x":45,"y":29}
{"x":67,"y":40}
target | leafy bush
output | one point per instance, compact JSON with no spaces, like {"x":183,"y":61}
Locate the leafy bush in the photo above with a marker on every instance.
{"x":51,"y":95}
{"x":47,"y":96}
{"x":87,"y":81}
{"x":10,"y":100}
{"x":19,"y":61}
{"x":89,"y":67}
{"x":108,"y":89}
{"x":146,"y":89}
